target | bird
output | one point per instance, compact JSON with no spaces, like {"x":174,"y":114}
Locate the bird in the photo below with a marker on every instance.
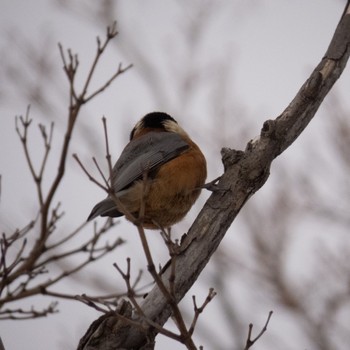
{"x":160,"y":170}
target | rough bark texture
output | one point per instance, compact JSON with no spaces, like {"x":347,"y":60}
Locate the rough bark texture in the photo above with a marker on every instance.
{"x":245,"y":173}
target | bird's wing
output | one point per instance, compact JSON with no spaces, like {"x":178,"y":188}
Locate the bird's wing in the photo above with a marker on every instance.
{"x":145,"y":154}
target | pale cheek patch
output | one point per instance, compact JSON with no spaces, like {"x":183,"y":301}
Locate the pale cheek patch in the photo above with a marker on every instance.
{"x":174,"y":127}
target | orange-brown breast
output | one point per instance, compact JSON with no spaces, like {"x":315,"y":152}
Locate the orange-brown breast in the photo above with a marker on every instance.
{"x":172,"y":192}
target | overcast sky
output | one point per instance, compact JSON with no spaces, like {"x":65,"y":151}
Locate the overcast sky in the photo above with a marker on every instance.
{"x":264,"y":51}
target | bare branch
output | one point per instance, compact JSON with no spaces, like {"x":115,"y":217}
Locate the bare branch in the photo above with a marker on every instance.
{"x":29,"y":265}
{"x":109,"y":81}
{"x":21,"y":314}
{"x":23,"y":136}
{"x":130,"y":290}
{"x":111,"y":33}
{"x":91,"y":178}
{"x":47,"y":144}
{"x":199,"y":310}
{"x":171,"y":300}
{"x":250,"y":342}
{"x":108,"y":154}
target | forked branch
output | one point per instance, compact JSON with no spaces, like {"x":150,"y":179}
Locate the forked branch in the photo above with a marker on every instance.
{"x":21,"y":263}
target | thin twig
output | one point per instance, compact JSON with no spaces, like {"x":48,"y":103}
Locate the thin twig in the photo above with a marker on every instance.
{"x":108,"y":154}
{"x":87,"y":301}
{"x":130,"y":290}
{"x":90,"y":177}
{"x":109,"y":81}
{"x":185,"y":336}
{"x":66,"y":238}
{"x":107,"y":184}
{"x":21,"y":314}
{"x":47,"y":145}
{"x":173,"y":248}
{"x":250,"y":342}
{"x":111,"y":33}
{"x":23,"y":136}
{"x":70,"y":70}
{"x":199,"y":310}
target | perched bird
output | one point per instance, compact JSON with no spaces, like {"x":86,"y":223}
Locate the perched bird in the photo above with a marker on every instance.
{"x":160,"y":167}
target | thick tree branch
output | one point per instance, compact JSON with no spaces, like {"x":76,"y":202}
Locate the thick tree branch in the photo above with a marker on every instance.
{"x":245,"y":173}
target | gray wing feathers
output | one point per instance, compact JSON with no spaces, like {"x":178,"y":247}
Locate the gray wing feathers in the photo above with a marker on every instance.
{"x":143,"y":154}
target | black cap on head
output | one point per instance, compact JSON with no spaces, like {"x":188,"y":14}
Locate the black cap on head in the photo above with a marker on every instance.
{"x":155,"y":119}
{"x":152,"y":120}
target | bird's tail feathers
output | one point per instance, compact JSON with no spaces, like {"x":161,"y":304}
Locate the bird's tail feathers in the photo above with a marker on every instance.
{"x":104,"y":208}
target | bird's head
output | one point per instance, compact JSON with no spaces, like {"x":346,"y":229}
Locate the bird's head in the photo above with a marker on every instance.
{"x":156,"y":121}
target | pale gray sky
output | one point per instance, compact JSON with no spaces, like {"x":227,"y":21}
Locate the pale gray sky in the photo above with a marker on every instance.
{"x":271,"y":46}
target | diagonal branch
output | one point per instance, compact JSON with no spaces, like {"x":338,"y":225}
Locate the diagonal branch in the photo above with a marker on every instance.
{"x":245,"y":173}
